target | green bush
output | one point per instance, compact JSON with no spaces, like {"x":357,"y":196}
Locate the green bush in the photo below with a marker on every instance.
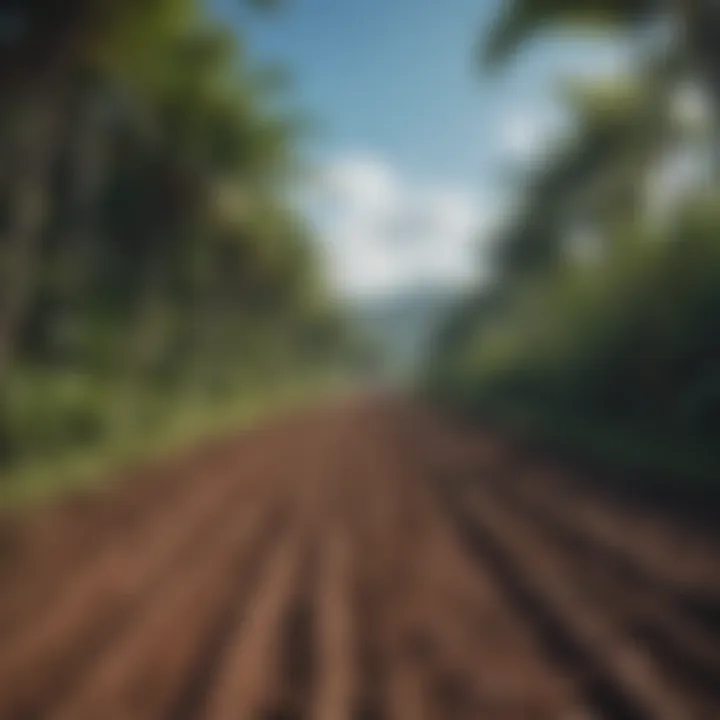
{"x":630,"y":341}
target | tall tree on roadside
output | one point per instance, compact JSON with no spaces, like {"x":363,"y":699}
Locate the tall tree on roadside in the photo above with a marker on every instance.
{"x":45,"y":46}
{"x":697,"y":24}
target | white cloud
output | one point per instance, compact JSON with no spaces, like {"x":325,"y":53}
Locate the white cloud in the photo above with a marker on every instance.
{"x":521,"y":138}
{"x":528,"y":129}
{"x":527,"y":134}
{"x":370,"y":184}
{"x":382,"y":231}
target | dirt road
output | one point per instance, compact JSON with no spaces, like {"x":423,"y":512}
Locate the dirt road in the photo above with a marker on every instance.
{"x":359,"y":562}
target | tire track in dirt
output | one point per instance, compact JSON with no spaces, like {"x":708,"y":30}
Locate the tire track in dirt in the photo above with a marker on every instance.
{"x":393,"y":681}
{"x":618,"y":679}
{"x":650,"y":614}
{"x":363,"y":562}
{"x":639,"y":544}
{"x":140,"y":673}
{"x":335,"y":639}
{"x":481,"y":659}
{"x":64,"y":540}
{"x":247,"y":680}
{"x":40,"y":661}
{"x":259,"y":675}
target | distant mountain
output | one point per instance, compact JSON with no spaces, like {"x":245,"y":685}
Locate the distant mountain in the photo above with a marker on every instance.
{"x":401,"y":325}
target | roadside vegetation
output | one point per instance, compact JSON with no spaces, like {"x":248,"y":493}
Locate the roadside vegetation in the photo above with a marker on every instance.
{"x":152,"y":266}
{"x":599,"y":329}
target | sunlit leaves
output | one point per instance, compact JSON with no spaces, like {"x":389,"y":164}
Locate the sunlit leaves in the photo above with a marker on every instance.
{"x":520,"y":19}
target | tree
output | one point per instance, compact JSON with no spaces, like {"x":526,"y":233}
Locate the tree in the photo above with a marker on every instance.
{"x":53,"y":44}
{"x":521,"y":19}
{"x":46,"y":47}
{"x":697,"y":24}
{"x":166,"y":241}
{"x":596,"y":178}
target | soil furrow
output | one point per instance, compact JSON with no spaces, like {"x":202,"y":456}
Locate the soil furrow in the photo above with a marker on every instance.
{"x":366,"y":561}
{"x":248,"y":679}
{"x":40,"y":661}
{"x":643,"y":612}
{"x":141,"y":674}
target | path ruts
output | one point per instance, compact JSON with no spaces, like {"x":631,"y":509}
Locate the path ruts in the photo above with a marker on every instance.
{"x":367,"y":561}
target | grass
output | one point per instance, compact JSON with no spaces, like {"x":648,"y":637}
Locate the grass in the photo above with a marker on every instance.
{"x":40,"y":481}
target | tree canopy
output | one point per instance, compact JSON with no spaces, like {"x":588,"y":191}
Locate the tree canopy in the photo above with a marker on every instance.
{"x":148,"y":248}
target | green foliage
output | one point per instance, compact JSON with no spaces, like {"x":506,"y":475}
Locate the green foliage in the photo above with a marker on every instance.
{"x":615,"y":350}
{"x":627,"y":343}
{"x":520,"y":19}
{"x":167,"y":262}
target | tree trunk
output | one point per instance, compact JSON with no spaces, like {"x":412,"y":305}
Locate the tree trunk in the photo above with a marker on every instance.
{"x":701,"y":25}
{"x":140,"y":347}
{"x":31,"y":164}
{"x":75,"y":252}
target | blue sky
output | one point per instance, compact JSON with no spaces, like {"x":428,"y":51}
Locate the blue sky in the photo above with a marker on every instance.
{"x":409,"y":133}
